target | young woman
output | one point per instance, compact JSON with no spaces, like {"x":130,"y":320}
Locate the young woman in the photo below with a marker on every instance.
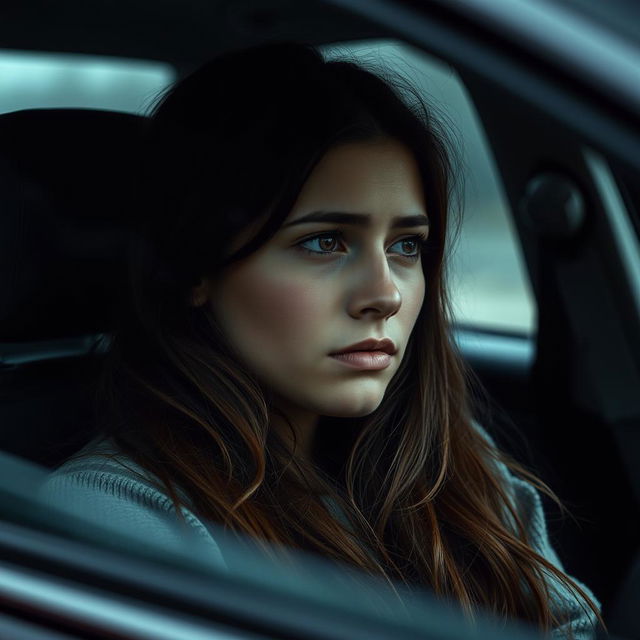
{"x":292,"y":209}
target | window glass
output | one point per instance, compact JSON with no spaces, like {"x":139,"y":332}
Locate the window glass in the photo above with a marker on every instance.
{"x":37,"y":80}
{"x":488,"y":280}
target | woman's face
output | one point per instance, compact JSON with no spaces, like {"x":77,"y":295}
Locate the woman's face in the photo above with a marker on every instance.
{"x":300,"y":298}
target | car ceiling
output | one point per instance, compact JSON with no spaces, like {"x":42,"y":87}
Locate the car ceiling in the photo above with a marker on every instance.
{"x":182,"y":33}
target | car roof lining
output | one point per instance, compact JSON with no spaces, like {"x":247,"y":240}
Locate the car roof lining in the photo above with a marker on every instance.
{"x":182,"y":34}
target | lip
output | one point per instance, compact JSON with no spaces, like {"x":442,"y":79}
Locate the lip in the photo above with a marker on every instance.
{"x":371,"y":345}
{"x":364,"y":360}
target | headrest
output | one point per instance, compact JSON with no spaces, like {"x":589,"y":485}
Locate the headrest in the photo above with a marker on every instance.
{"x":67,"y":181}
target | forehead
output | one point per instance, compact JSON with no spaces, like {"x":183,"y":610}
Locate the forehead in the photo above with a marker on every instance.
{"x":377,"y":181}
{"x":380,"y":178}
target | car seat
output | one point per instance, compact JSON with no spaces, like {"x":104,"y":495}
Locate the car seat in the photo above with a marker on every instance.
{"x":66,"y":186}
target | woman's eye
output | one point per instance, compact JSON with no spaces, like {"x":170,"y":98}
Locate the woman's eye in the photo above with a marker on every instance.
{"x":409,"y":247}
{"x":325,"y":244}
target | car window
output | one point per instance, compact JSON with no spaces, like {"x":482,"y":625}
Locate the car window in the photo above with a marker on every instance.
{"x":45,"y":80}
{"x":300,"y":590}
{"x":489,"y":284}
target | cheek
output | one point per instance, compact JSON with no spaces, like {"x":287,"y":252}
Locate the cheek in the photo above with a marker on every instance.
{"x":412,"y":302}
{"x":271,"y":314}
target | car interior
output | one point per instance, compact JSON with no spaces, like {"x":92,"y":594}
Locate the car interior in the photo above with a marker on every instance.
{"x":570,"y":412}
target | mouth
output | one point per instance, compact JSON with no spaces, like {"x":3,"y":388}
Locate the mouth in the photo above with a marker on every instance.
{"x":373,"y":360}
{"x":364,"y":360}
{"x":371,"y":346}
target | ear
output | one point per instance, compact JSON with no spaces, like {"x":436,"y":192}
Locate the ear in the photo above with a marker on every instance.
{"x":200,"y":293}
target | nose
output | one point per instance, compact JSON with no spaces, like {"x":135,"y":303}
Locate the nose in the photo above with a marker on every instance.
{"x":375,"y":291}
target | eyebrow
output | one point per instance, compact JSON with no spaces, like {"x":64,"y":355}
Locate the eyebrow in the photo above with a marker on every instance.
{"x":361,"y":219}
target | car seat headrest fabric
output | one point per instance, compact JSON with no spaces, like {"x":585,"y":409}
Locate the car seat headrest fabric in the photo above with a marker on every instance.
{"x":67,"y":181}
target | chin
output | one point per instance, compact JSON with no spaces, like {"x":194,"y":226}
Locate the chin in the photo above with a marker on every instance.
{"x":356,"y":410}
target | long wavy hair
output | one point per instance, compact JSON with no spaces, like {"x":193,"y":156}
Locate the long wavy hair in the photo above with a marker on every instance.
{"x":227,"y":150}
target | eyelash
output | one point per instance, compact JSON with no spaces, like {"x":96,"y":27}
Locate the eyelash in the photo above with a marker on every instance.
{"x":421,"y":240}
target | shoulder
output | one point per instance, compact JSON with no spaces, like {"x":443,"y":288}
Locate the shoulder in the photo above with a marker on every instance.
{"x":522,"y":493}
{"x":103,"y":486}
{"x":526,"y":501}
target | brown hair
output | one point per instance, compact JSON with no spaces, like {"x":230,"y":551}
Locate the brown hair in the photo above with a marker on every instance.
{"x":421,"y":487}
